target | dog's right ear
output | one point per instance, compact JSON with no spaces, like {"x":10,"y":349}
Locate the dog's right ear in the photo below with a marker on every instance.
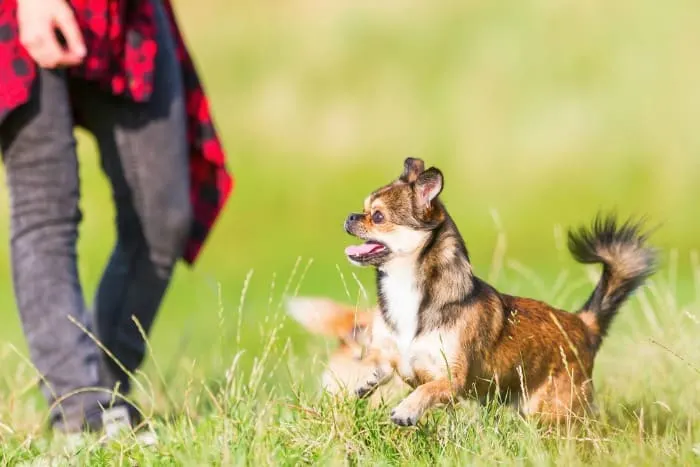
{"x":428,"y":186}
{"x":329,"y":318}
{"x":412,"y":168}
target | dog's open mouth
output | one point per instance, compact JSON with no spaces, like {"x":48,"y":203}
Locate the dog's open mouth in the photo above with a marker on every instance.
{"x":367,"y":251}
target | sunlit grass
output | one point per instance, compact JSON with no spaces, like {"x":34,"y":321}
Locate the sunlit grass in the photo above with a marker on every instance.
{"x":230,"y":406}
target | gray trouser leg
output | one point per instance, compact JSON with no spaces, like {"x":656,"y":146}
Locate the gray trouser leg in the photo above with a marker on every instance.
{"x":144,"y":154}
{"x":42,"y":176}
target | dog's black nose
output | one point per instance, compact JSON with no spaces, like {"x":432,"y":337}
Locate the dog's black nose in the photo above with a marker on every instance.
{"x":352,"y":218}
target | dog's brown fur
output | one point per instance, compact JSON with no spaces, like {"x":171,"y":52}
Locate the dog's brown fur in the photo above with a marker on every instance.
{"x":448,"y":333}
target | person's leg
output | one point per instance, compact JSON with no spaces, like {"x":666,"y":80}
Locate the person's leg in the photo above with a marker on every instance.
{"x":145,"y":155}
{"x":38,"y":148}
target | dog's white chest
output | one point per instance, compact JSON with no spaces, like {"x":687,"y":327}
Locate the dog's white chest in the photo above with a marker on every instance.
{"x":402,"y":300}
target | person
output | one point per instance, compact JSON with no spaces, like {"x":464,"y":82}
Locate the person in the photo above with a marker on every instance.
{"x":121,"y":70}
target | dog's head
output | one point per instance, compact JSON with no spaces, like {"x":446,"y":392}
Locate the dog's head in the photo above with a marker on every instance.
{"x":397,"y":219}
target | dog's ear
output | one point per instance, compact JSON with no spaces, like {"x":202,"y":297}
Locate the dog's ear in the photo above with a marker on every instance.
{"x":428,"y":186}
{"x":329,"y":318}
{"x":412,"y":168}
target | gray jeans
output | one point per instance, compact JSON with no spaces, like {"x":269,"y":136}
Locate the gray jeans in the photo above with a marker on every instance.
{"x":144,"y":154}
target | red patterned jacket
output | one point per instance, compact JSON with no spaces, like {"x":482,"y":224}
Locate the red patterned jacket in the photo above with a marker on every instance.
{"x":120,"y":40}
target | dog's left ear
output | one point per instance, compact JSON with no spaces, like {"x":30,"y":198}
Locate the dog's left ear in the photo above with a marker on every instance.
{"x":428,"y":186}
{"x":412,"y":168}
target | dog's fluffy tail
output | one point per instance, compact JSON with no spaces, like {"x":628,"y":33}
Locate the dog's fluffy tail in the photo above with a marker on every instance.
{"x":627,"y":262}
{"x":329,"y":318}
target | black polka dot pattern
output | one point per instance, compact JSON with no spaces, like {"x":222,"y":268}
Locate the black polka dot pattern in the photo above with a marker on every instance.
{"x":20,"y":67}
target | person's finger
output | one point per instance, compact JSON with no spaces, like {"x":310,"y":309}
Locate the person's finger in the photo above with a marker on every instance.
{"x":45,"y":60}
{"x":31,"y":38}
{"x":46,"y":51}
{"x":74,"y":51}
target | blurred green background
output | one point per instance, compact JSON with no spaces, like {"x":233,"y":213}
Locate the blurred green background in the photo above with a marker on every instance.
{"x":539,"y":113}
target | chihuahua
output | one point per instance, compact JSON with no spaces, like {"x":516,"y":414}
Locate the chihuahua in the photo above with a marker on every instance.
{"x":448,"y":334}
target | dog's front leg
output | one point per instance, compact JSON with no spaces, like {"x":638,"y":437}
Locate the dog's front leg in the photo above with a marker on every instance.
{"x":382,"y":374}
{"x":425,"y":396}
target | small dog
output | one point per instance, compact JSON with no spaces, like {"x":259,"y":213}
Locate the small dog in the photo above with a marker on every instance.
{"x":447,"y":333}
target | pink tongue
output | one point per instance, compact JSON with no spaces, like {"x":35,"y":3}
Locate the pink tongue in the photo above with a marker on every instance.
{"x":365,"y":248}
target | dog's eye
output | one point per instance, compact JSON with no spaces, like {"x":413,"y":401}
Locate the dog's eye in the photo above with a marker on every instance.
{"x":377,"y":217}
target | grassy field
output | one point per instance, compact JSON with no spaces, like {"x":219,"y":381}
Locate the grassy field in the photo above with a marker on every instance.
{"x":539,"y":113}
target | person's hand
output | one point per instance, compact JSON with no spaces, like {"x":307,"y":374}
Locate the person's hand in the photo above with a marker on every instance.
{"x":39,"y":23}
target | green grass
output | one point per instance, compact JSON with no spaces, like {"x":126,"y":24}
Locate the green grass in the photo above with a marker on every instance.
{"x":539,"y":113}
{"x":272,"y":412}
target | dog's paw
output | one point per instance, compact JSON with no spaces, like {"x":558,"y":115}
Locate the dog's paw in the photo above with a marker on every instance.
{"x":405,"y":414}
{"x":404,"y":419}
{"x":365,"y":390}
